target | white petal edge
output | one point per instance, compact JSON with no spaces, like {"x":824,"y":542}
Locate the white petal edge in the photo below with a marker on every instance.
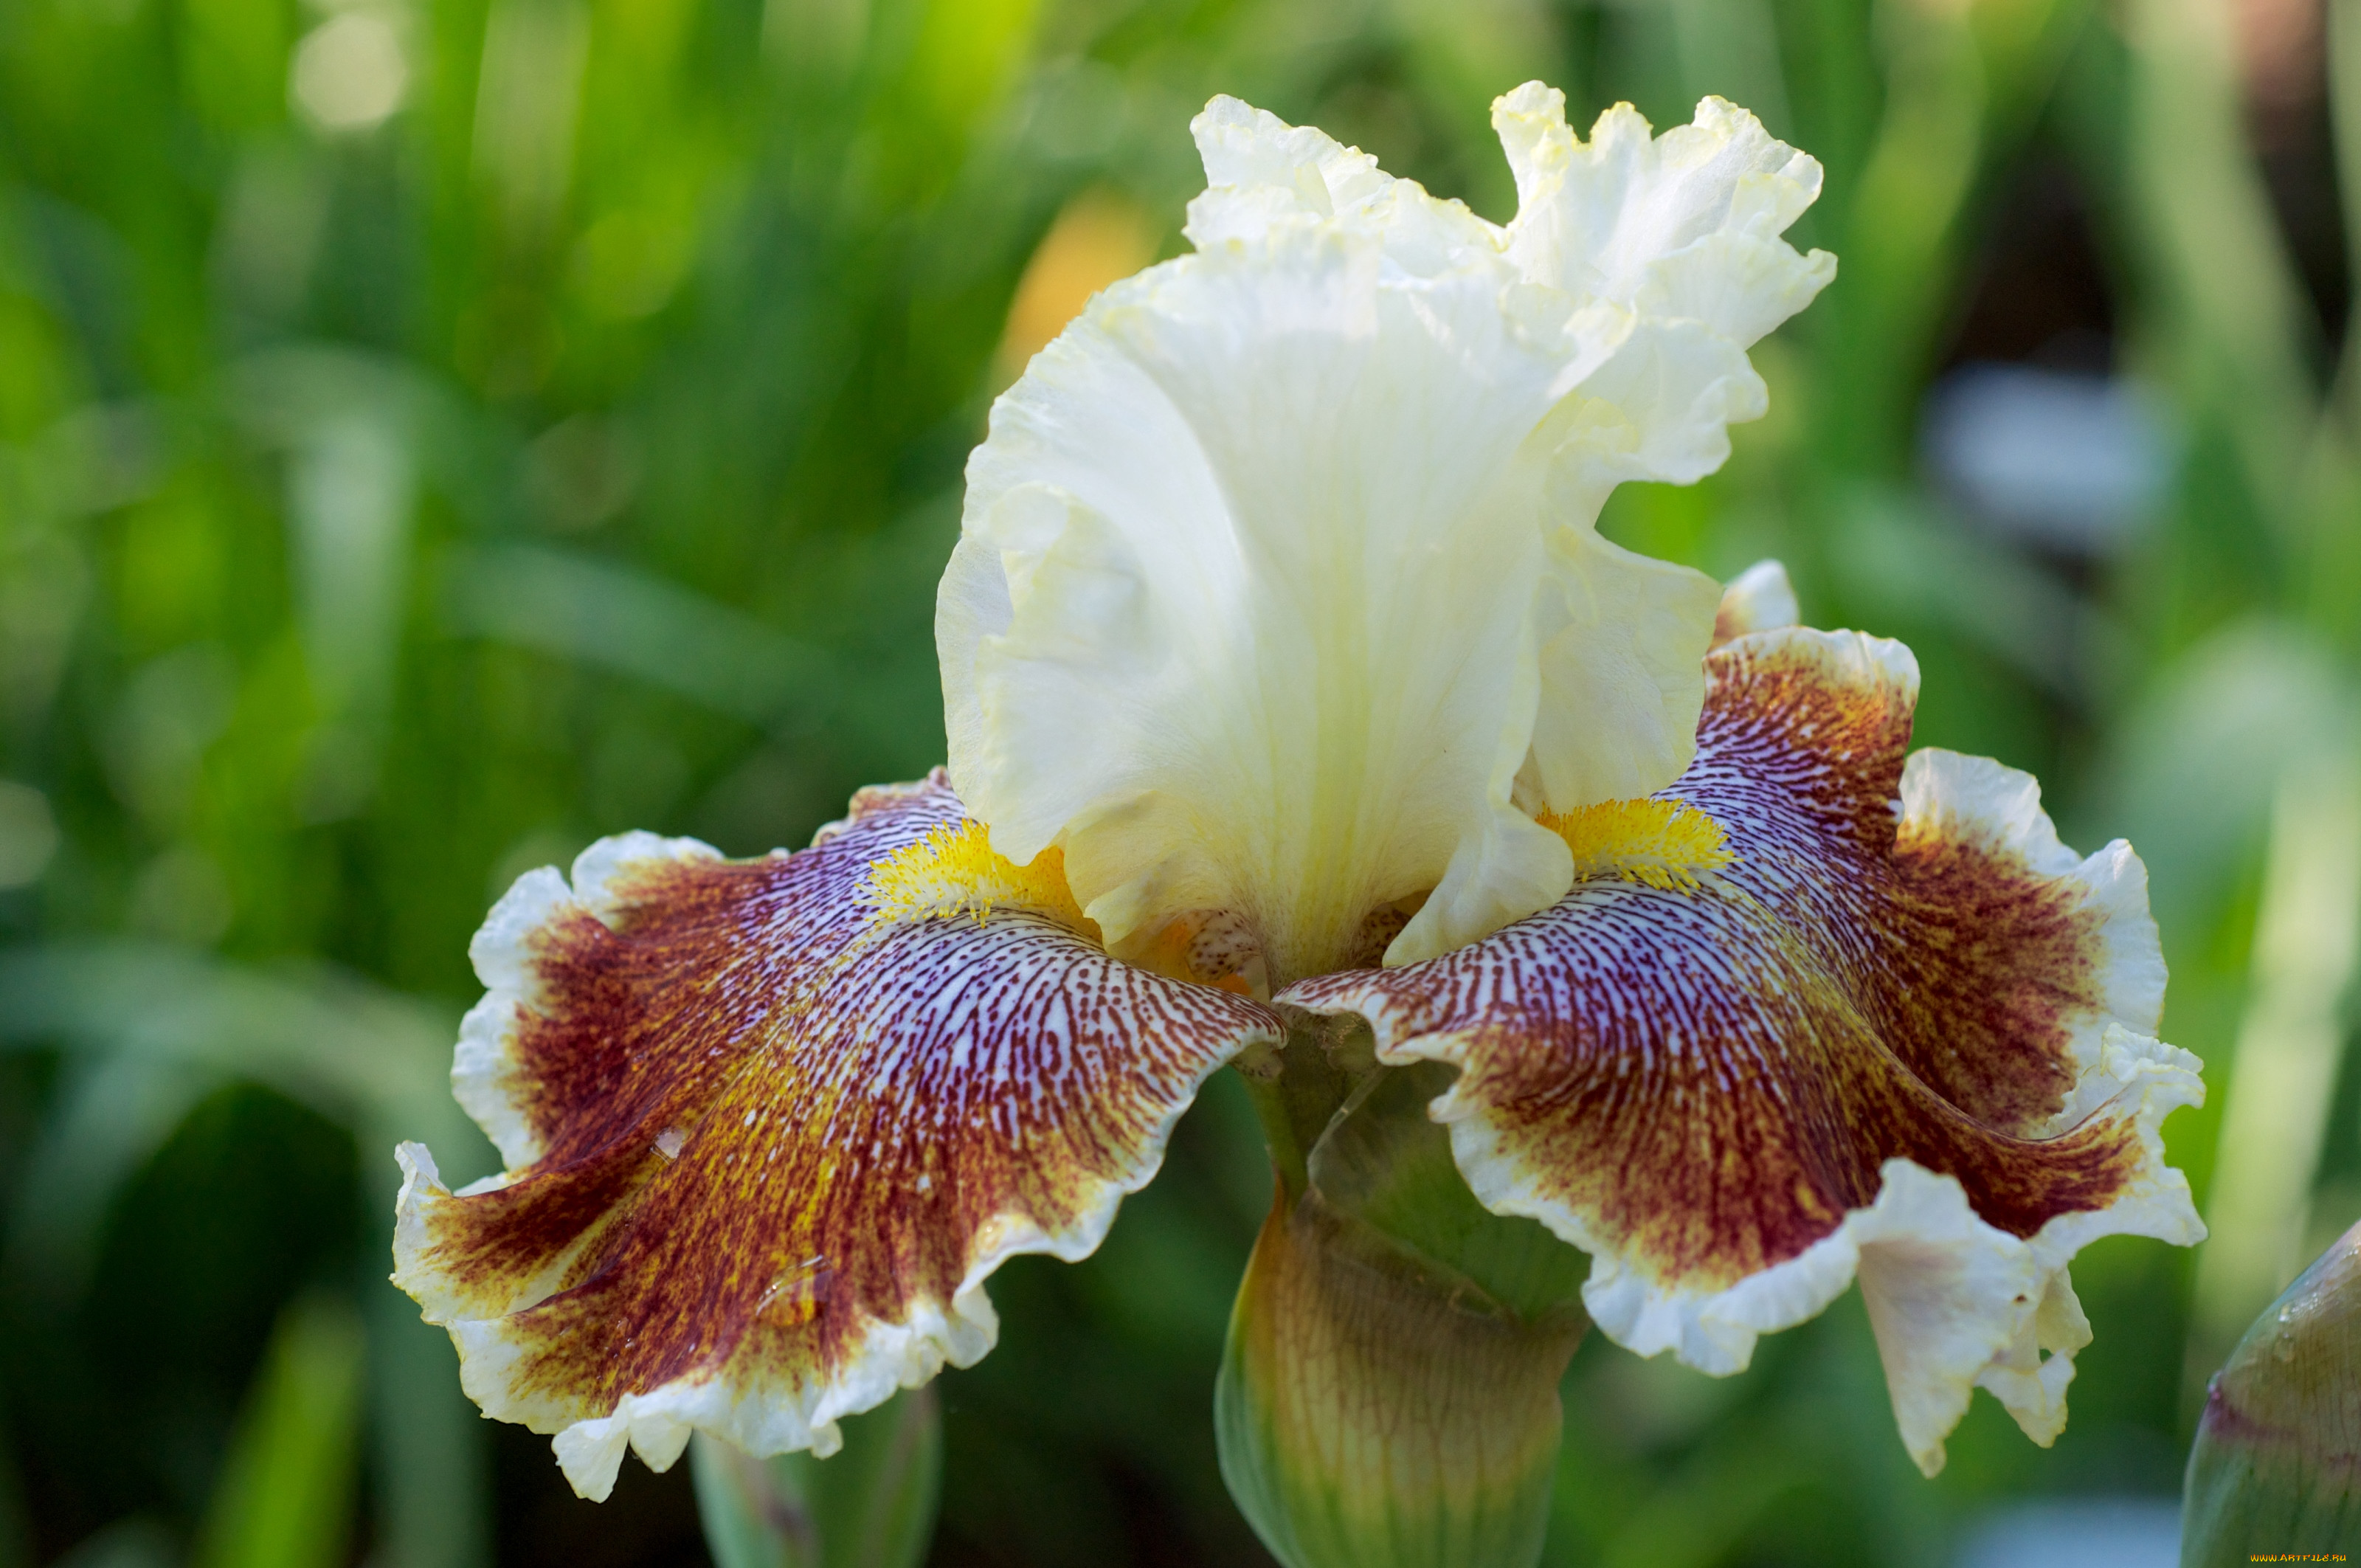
{"x":1978,"y":801}
{"x":503,"y":961}
{"x":1760,"y":599}
{"x":890,"y":1357}
{"x":1595,"y":218}
{"x":1260,"y":172}
{"x":1931,"y":1270}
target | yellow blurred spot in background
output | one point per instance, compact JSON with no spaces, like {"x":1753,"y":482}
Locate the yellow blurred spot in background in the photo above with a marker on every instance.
{"x":1099,"y":237}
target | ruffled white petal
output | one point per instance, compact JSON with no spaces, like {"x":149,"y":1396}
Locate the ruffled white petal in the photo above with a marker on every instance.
{"x":1618,"y":657}
{"x":1277,"y":585}
{"x":1261,"y":171}
{"x":1624,"y":214}
{"x":1219,"y":507}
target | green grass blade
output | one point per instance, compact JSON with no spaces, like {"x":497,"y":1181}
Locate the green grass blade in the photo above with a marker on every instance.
{"x":285,"y":1496}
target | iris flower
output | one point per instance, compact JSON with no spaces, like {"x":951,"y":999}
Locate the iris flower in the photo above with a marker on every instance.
{"x":1292,"y":696}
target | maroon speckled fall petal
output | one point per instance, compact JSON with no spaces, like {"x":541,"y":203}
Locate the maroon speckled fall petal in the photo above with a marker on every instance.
{"x":766,"y":1147}
{"x":1712,"y":1090}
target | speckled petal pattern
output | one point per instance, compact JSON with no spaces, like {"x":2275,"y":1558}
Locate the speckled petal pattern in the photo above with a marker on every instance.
{"x":765,"y":1145}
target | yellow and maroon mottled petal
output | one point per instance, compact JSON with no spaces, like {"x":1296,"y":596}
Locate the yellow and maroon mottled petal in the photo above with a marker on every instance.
{"x":769,"y":1128}
{"x":1884,"y":1026}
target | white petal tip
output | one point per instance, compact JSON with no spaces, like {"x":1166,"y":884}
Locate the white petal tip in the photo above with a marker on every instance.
{"x":1760,"y":599}
{"x":591,"y":1453}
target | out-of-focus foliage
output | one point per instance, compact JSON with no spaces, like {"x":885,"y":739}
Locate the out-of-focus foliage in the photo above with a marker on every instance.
{"x":435,"y":432}
{"x":284,"y":1497}
{"x":871,"y":1504}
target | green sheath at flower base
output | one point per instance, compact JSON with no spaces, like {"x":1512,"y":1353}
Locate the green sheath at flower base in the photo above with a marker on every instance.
{"x":1389,"y":1396}
{"x":870,"y":1505}
{"x":2277,"y":1468}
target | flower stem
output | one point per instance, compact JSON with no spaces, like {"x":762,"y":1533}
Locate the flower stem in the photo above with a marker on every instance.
{"x":1389,"y":1391}
{"x":1298,"y":1091}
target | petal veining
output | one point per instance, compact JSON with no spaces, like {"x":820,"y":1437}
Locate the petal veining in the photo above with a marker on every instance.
{"x":770,"y":1127}
{"x":1277,"y":592}
{"x":1902,"y":1035}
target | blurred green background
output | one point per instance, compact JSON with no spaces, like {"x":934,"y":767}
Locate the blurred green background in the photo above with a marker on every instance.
{"x":434,"y":433}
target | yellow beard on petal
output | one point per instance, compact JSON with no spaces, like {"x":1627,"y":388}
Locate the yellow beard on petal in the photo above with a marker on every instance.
{"x":955,"y":870}
{"x":1662,"y":843}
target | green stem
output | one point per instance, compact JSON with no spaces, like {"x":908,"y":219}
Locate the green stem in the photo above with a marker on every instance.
{"x":1299,"y":1090}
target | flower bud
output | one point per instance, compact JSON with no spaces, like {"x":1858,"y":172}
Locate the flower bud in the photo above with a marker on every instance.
{"x":2277,"y":1468}
{"x":1389,"y":1394}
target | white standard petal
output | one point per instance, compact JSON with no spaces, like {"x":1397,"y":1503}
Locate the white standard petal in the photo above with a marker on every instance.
{"x":1617,"y":646}
{"x":1271,"y":564}
{"x":1259,"y":169}
{"x":1623,"y":212}
{"x":1277,"y":592}
{"x":1683,"y":230}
